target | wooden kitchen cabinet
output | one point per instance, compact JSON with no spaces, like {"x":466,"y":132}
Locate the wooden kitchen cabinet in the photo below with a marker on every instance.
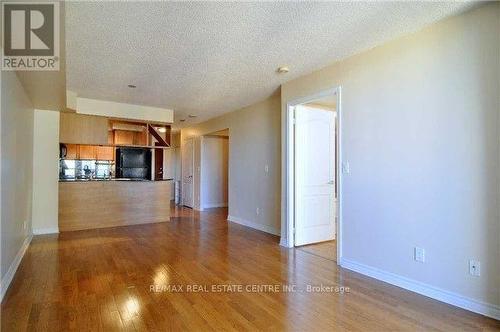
{"x":71,"y":151}
{"x":129,"y":137}
{"x":111,"y":137}
{"x":105,"y":153}
{"x":124,"y":137}
{"x":140,"y":138}
{"x":98,"y":204}
{"x":83,"y":129}
{"x":87,"y":152}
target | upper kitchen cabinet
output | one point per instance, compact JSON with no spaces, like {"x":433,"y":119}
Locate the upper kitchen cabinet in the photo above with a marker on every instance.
{"x":123,"y":137}
{"x":83,"y":129}
{"x":70,"y":152}
{"x":129,"y":133}
{"x":105,"y":153}
{"x":87,"y":152}
{"x":128,"y":137}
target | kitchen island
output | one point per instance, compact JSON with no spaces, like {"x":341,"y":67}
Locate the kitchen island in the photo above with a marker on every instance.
{"x":110,"y":203}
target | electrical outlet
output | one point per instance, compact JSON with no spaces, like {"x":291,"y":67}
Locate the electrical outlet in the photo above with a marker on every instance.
{"x":419,"y":254}
{"x":257,"y":210}
{"x":475,"y":268}
{"x":24,"y":225}
{"x":266,"y":168}
{"x":345,"y":167}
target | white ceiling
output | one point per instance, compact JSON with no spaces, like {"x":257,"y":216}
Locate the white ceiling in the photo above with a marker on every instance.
{"x":210,"y":58}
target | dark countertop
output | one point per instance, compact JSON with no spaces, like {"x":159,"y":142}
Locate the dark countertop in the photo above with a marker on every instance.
{"x":113,"y":179}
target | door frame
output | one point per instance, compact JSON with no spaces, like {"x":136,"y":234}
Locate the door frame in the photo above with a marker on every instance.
{"x":191,"y":141}
{"x":290,"y":166}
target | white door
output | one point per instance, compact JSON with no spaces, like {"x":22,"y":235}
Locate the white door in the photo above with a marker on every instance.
{"x":187,"y":174}
{"x":314,"y":175}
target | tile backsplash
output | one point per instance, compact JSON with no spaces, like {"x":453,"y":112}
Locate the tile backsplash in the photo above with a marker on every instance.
{"x":82,"y":169}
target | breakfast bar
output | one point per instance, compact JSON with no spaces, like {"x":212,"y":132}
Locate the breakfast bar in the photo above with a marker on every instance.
{"x":110,"y":203}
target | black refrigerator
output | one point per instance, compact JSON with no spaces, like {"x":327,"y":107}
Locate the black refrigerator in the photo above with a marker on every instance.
{"x":133,"y":163}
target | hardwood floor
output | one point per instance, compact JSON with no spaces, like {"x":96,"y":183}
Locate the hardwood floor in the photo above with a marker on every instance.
{"x":326,"y":250}
{"x":99,"y":280}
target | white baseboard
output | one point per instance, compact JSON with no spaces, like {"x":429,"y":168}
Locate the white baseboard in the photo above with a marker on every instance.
{"x":251,"y":224}
{"x":41,"y":231}
{"x":214,"y":205}
{"x":486,"y":309}
{"x":7,"y":279}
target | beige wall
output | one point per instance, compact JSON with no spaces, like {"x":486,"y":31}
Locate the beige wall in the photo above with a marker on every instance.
{"x":420,"y":129}
{"x":45,"y":172}
{"x":47,"y":89}
{"x":16,"y":173}
{"x":254,"y":143}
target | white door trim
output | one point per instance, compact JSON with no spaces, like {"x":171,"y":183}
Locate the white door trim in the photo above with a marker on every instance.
{"x":288,"y":137}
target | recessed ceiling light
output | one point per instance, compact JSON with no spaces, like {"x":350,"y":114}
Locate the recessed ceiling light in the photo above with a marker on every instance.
{"x":283,"y":70}
{"x":192,"y":116}
{"x":162,"y":130}
{"x":132,"y":86}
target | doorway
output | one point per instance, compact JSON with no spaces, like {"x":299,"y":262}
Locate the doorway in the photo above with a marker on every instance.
{"x":187,"y":174}
{"x":313,"y":181}
{"x":214,"y":177}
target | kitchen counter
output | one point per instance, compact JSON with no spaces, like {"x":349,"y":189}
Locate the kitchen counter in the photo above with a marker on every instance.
{"x":112,"y":179}
{"x":87,"y":204}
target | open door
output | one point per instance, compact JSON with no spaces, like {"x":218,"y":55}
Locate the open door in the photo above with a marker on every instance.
{"x":187,"y":174}
{"x":314,"y":175}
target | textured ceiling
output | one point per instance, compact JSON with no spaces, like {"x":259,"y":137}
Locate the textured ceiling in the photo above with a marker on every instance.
{"x":211,"y":58}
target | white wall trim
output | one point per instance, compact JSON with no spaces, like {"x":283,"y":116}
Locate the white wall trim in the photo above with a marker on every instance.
{"x":7,"y":279}
{"x":41,"y":231}
{"x":214,"y":205}
{"x":251,"y":224}
{"x":483,"y":308}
